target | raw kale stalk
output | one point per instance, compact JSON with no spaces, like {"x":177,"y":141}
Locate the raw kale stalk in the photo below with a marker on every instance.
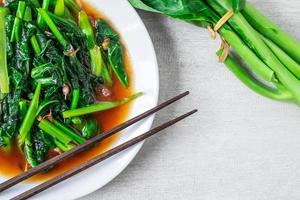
{"x":269,"y":52}
{"x":51,"y":63}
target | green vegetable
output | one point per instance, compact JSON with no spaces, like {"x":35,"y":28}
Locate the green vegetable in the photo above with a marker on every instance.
{"x":270,"y":53}
{"x":41,"y":145}
{"x":75,"y":137}
{"x":6,"y":144}
{"x":35,"y":3}
{"x":272,"y":31}
{"x":27,"y":15}
{"x":291,"y":64}
{"x":55,"y":132}
{"x":68,"y":15}
{"x":40,"y":20}
{"x":72,"y":5}
{"x":75,"y":99}
{"x":114,"y":51}
{"x":28,"y":144}
{"x":30,"y":115}
{"x":98,"y":107}
{"x":35,"y":45}
{"x":238,"y":5}
{"x":9,"y":118}
{"x":49,"y":63}
{"x":45,"y":103}
{"x":90,"y":129}
{"x":16,"y":32}
{"x":4,"y":80}
{"x":29,"y":151}
{"x":115,"y":58}
{"x":60,"y":8}
{"x":23,"y":108}
{"x":97,"y":62}
{"x":44,"y":15}
{"x":63,"y":147}
{"x":252,"y":83}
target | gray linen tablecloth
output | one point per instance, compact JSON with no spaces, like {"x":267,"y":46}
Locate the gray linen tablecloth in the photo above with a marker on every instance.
{"x":239,"y":145}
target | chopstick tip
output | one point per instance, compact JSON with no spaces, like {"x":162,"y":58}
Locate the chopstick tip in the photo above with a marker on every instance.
{"x":193,"y":111}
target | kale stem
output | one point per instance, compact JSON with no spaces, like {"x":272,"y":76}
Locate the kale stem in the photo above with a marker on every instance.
{"x":23,"y":108}
{"x":40,"y":20}
{"x":264,"y":52}
{"x":59,"y":36}
{"x":36,"y":3}
{"x":97,"y":62}
{"x":253,"y":84}
{"x":87,"y":29}
{"x":68,"y":15}
{"x":290,"y":64}
{"x":247,"y":54}
{"x":63,"y":147}
{"x":272,"y":31}
{"x":75,"y":137}
{"x":107,"y":76}
{"x":28,"y":15}
{"x":60,"y":8}
{"x":54,"y":131}
{"x":101,"y":106}
{"x":16,"y":32}
{"x":75,"y":99}
{"x":252,"y":39}
{"x":4,"y":79}
{"x":30,"y":115}
{"x":35,"y":45}
{"x":72,"y":5}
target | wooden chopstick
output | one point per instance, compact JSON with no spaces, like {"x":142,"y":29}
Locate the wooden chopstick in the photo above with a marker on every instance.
{"x":51,"y":162}
{"x":48,"y":184}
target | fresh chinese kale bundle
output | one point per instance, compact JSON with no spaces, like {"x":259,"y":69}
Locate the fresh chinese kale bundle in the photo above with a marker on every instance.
{"x":272,"y":56}
{"x":52,"y":59}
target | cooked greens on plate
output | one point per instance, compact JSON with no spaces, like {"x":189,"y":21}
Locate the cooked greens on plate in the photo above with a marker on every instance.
{"x":53,"y":57}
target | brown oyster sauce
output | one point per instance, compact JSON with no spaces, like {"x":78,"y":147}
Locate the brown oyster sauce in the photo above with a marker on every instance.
{"x":11,"y":165}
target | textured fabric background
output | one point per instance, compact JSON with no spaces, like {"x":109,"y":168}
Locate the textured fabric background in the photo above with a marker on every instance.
{"x":239,"y":145}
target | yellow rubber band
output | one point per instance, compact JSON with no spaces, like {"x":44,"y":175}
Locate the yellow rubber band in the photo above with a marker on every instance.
{"x":224,"y":19}
{"x":220,"y":23}
{"x":213,"y":31}
{"x":225,"y":50}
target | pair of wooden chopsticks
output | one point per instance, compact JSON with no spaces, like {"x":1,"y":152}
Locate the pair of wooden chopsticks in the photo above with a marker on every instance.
{"x":44,"y":186}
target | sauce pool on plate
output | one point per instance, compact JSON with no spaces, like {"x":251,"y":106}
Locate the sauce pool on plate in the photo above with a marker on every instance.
{"x":11,"y":165}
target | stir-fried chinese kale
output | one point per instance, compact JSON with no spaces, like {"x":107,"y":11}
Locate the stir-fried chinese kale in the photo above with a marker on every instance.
{"x":53,"y":56}
{"x":273,"y":56}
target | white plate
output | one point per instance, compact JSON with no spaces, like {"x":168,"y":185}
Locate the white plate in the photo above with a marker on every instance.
{"x":144,"y":64}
